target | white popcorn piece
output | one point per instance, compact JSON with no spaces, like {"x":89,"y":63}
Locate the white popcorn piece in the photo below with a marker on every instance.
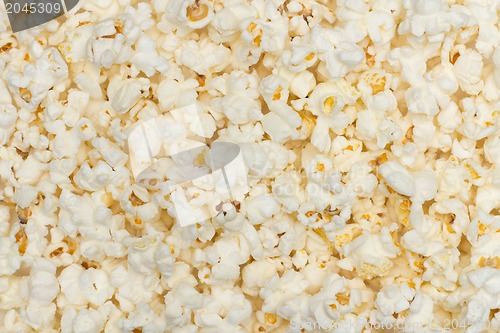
{"x":128,"y":94}
{"x":10,"y":257}
{"x":468,"y":68}
{"x":398,"y":178}
{"x":83,"y":321}
{"x":94,"y":285}
{"x":369,"y":254}
{"x":392,"y":300}
{"x":42,"y":288}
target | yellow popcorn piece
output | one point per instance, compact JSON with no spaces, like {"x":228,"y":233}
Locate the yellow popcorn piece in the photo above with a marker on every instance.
{"x":343,"y":239}
{"x":137,"y":223}
{"x":107,"y":199}
{"x":270,"y":318}
{"x":310,"y":56}
{"x":343,"y":298}
{"x":308,"y":120}
{"x":135,"y":200}
{"x":369,"y":271}
{"x":321,"y":232}
{"x":376,"y":81}
{"x":197,"y":12}
{"x":22,"y":241}
{"x":72,"y":245}
{"x":277,"y":94}
{"x":328,"y":104}
{"x":404,"y":212}
{"x":25,"y":94}
{"x":493,"y":262}
{"x":481,"y":229}
{"x":473,"y":173}
{"x":448,"y":220}
{"x":57,"y":252}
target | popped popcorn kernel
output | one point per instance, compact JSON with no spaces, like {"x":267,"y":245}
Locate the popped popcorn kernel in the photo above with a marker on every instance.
{"x":197,"y":12}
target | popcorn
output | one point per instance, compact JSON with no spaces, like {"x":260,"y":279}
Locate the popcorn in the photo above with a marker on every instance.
{"x":132,"y":287}
{"x":9,"y":117}
{"x":369,"y":254}
{"x":193,"y":14}
{"x":274,"y":291}
{"x":83,"y":321}
{"x":203,"y":57}
{"x":369,"y":136}
{"x":42,"y":289}
{"x":127,"y":96}
{"x":239,"y":103}
{"x":94,"y":285}
{"x":339,"y":54}
{"x":392,"y":300}
{"x":145,"y":319}
{"x":398,"y":178}
{"x":468,"y":68}
{"x":302,"y":84}
{"x":10,"y":257}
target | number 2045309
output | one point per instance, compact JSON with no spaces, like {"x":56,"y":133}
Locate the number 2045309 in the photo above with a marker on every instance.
{"x":32,"y":8}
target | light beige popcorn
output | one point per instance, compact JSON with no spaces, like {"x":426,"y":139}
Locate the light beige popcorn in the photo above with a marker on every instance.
{"x":368,"y":133}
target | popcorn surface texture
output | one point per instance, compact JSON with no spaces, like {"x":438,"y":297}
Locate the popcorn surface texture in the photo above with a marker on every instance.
{"x":370,"y":134}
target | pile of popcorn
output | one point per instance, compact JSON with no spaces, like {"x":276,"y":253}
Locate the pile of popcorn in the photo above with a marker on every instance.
{"x":369,"y":128}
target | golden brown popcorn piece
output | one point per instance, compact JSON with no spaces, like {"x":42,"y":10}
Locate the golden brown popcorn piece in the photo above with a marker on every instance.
{"x":308,"y":120}
{"x":369,"y":271}
{"x":343,"y":298}
{"x":448,"y":220}
{"x":474,"y":175}
{"x":201,"y":79}
{"x":22,"y":241}
{"x":341,"y":240}
{"x":90,"y":264}
{"x":107,"y":199}
{"x":137,"y":223}
{"x":277,"y":94}
{"x":57,"y":252}
{"x":6,"y":47}
{"x":493,"y":262}
{"x":135,"y":200}
{"x":404,"y":212}
{"x":25,"y":94}
{"x":270,"y":318}
{"x":23,"y":214}
{"x":328,"y":104}
{"x":119,"y":24}
{"x":72,"y":245}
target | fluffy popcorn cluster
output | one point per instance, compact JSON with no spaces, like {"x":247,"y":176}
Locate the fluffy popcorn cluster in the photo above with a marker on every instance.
{"x":370,"y":134}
